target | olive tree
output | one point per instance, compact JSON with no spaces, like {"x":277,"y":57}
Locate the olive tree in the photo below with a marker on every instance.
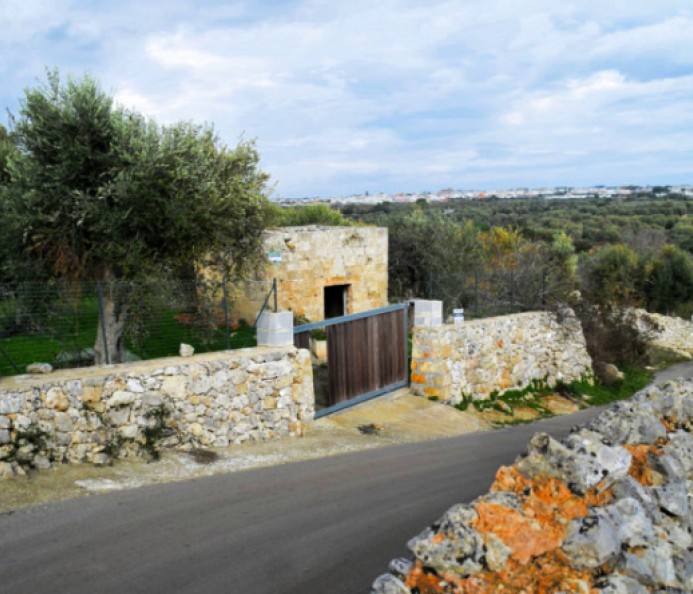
{"x":103,"y":194}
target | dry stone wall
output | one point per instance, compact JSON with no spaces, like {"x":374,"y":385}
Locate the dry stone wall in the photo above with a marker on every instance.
{"x":475,"y":358}
{"x":606,"y":510}
{"x":96,"y":414}
{"x":668,"y":338}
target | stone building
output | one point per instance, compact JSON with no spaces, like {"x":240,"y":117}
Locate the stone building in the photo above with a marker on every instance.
{"x":321,"y":272}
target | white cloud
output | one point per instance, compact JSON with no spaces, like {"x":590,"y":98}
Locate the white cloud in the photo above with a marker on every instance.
{"x":408,"y":94}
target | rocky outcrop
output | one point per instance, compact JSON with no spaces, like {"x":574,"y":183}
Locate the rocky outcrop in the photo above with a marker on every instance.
{"x":473,"y":359}
{"x":98,"y":414}
{"x":668,"y":338}
{"x":608,"y":509}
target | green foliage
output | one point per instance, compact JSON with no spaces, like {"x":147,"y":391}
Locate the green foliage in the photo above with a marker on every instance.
{"x":668,"y":282}
{"x":597,"y":394}
{"x":7,"y":151}
{"x":102,"y":193}
{"x":313,"y":214}
{"x":610,"y":275}
{"x":682,"y":235}
{"x":562,"y":253}
{"x":319,"y":334}
{"x":423,"y":244}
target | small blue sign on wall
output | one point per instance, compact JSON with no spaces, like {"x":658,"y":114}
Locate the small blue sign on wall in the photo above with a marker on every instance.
{"x":274,"y":257}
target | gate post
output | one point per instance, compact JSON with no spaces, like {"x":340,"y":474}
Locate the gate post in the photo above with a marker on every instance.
{"x":428,"y":313}
{"x":275,"y":329}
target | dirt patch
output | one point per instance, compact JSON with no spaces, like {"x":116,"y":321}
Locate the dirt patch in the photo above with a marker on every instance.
{"x":406,"y":418}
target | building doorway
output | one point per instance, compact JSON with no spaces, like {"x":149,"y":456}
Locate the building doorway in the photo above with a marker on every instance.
{"x":336,"y":301}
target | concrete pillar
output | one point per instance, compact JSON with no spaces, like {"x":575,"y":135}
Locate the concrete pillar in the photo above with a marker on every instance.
{"x":275,"y":329}
{"x":428,"y":313}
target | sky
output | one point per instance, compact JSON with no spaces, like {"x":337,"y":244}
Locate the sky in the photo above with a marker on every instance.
{"x":344,"y":97}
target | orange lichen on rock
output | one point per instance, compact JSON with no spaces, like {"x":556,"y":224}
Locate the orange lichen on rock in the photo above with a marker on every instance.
{"x":527,"y":536}
{"x":547,"y":574}
{"x":640,"y":468}
{"x":426,"y":582}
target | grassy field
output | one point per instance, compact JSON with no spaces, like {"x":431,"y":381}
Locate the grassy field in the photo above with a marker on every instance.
{"x":66,"y":338}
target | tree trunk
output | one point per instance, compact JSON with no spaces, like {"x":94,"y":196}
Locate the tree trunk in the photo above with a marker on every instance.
{"x":109,"y":346}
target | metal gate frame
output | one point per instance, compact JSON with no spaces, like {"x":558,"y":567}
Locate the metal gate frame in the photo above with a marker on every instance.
{"x":359,"y":316}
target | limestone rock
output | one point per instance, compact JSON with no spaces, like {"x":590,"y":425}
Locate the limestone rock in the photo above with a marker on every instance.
{"x":39,"y":368}
{"x":610,"y":374}
{"x":6,"y":470}
{"x":57,"y":399}
{"x":389,"y":584}
{"x":186,"y":350}
{"x":610,"y":506}
{"x":620,"y":584}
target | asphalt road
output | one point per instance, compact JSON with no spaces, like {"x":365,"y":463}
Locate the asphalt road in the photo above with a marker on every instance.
{"x":325,"y":526}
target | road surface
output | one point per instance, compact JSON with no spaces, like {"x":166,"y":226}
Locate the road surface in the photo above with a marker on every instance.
{"x":322,"y":526}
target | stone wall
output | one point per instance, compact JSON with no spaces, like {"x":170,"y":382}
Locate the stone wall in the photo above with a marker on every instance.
{"x":312,"y":258}
{"x":607,"y":510}
{"x":96,"y":414}
{"x":475,"y":358}
{"x":668,"y":338}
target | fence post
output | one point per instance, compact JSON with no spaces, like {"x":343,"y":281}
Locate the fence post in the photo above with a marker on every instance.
{"x":274,"y":289}
{"x":226,"y":314}
{"x":99,"y":293}
{"x":430,"y":284}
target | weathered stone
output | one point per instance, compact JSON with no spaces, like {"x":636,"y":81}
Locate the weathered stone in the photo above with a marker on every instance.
{"x":39,"y":368}
{"x":186,"y":350}
{"x":122,"y":398}
{"x":610,"y":374}
{"x":389,"y":584}
{"x":6,"y":470}
{"x":620,"y":584}
{"x":135,"y":386}
{"x":119,"y":416}
{"x":57,"y":399}
{"x":624,"y":509}
{"x":174,"y":386}
{"x":129,"y":431}
{"x":11,"y":403}
{"x":673,"y":498}
{"x":91,"y":395}
{"x":100,"y":459}
{"x":41,"y":462}
{"x":63,"y":422}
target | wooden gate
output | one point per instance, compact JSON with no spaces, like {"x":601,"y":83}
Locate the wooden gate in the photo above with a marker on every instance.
{"x":366,"y":354}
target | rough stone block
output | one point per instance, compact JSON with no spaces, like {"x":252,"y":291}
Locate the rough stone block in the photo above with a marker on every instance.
{"x":275,"y":329}
{"x":428,"y":313}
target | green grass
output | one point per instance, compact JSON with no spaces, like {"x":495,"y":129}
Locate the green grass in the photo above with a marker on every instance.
{"x":594,"y":394}
{"x":74,"y":329}
{"x":597,"y":394}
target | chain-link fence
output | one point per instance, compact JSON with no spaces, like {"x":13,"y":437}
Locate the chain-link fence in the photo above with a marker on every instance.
{"x":487,"y":294}
{"x":77,"y":324}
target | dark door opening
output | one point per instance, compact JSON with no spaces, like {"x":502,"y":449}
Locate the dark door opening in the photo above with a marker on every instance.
{"x":336,"y":301}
